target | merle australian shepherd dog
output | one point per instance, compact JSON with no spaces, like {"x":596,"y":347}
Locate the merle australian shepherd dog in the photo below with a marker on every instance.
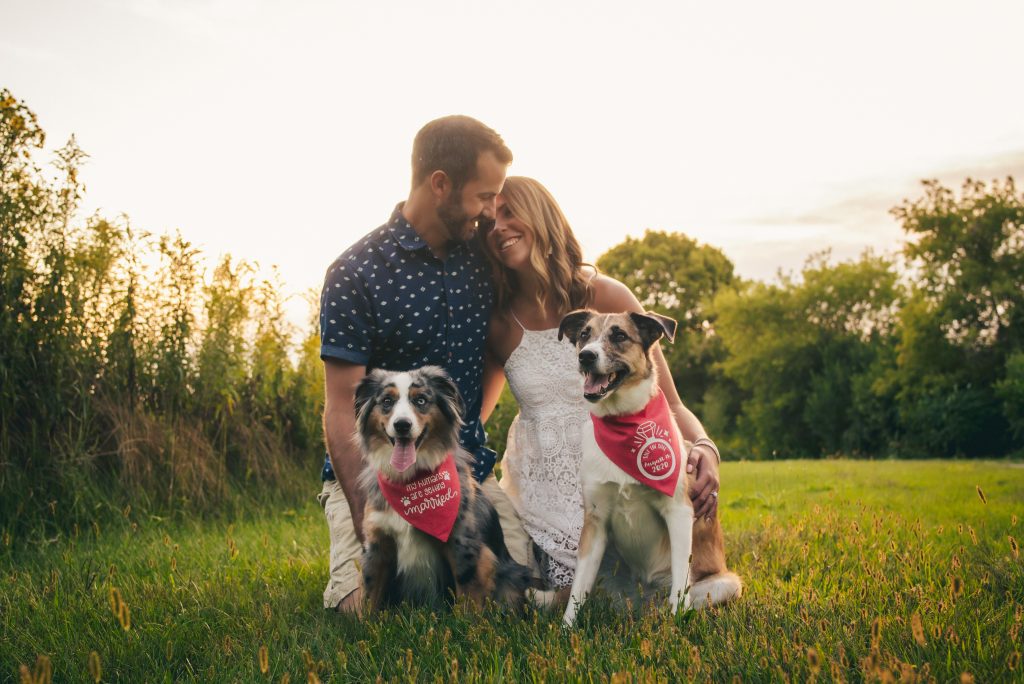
{"x":431,"y":534}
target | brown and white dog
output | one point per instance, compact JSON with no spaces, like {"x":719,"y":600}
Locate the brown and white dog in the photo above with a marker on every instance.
{"x":431,"y":534}
{"x":653,"y":532}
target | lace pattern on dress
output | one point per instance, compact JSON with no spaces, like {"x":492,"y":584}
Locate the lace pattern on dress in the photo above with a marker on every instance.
{"x":542,"y":458}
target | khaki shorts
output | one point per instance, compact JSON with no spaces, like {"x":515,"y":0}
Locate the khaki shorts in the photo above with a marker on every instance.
{"x":346,"y":550}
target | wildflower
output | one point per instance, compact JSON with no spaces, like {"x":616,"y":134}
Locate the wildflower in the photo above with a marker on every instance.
{"x":966,"y":678}
{"x":115,"y":600}
{"x":1013,"y":547}
{"x":1013,"y":661}
{"x":264,"y":659}
{"x":311,"y":678}
{"x":408,"y":659}
{"x":286,"y":678}
{"x":876,"y":632}
{"x":917,"y":628}
{"x":125,"y":617}
{"x":960,"y":528}
{"x":956,"y":562}
{"x":645,"y":648}
{"x":94,"y":666}
{"x":981,"y":494}
{"x":1013,"y":520}
{"x":974,"y":536}
{"x":812,"y":660}
{"x":956,"y":587}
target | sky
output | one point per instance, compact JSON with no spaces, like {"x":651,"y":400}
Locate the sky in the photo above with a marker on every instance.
{"x":281,"y":132}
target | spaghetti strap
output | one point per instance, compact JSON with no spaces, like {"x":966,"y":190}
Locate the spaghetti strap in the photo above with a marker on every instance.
{"x":516,"y":319}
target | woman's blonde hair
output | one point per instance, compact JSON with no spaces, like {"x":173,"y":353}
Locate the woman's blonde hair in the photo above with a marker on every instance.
{"x":556,"y":256}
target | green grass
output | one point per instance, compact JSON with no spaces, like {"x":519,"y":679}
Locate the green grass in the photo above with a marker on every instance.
{"x":840,"y":559}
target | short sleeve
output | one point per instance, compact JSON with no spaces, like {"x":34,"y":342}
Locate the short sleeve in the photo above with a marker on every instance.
{"x":346,"y":314}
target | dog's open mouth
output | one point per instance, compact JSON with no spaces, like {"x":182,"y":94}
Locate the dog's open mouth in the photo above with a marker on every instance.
{"x":403,"y":456}
{"x":596,"y":385}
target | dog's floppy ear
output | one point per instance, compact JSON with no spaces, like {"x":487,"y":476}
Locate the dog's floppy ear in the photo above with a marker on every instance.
{"x":450,"y":401}
{"x":652,"y":326}
{"x":572,"y":324}
{"x":366,"y":392}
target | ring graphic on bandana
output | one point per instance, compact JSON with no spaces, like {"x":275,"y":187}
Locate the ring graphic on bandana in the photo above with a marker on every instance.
{"x":655,"y":458}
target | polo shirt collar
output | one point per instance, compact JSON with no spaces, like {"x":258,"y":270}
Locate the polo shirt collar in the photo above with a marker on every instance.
{"x":403,"y":232}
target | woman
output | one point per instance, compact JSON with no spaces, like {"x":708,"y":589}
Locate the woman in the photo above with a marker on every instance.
{"x":540,"y":277}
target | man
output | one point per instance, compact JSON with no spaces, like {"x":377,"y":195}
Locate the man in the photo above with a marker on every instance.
{"x":413,"y":292}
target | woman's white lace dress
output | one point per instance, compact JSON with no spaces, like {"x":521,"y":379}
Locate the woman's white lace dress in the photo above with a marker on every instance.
{"x":541,"y":466}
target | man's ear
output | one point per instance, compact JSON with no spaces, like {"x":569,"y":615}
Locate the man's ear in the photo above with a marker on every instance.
{"x":572,"y":324}
{"x":652,"y":326}
{"x":440,"y":184}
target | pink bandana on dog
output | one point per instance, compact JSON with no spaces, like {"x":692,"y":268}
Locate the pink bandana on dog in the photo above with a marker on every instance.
{"x":645,"y":445}
{"x":430,"y":503}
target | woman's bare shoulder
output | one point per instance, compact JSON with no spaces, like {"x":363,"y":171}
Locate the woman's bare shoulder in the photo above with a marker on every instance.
{"x":499,"y":330}
{"x":612,"y":296}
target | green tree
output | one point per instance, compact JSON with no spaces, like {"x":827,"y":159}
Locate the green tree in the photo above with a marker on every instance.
{"x":965,"y":321}
{"x":807,"y":353}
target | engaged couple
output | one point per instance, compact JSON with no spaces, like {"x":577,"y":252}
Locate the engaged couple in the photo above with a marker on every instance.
{"x":477,"y":273}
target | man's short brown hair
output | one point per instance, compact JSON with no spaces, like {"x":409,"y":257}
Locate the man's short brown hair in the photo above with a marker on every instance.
{"x":453,"y":144}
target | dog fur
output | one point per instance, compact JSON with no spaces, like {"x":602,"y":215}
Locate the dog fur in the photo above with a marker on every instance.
{"x":654,"y":535}
{"x":401,"y":563}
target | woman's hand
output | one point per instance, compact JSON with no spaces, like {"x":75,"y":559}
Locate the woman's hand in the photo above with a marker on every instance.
{"x":703,"y":460}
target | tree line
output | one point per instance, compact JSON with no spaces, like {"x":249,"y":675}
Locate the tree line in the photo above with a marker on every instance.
{"x":128,"y":373}
{"x":917,"y":354}
{"x":131,"y":372}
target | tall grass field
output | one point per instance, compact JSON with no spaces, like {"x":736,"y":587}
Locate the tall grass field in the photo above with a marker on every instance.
{"x":854,"y":571}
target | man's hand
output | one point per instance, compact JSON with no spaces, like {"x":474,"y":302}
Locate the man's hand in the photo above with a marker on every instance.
{"x":703,"y":461}
{"x":353,"y":603}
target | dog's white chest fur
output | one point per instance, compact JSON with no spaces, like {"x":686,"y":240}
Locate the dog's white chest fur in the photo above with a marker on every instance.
{"x":419,"y":558}
{"x":635,"y":513}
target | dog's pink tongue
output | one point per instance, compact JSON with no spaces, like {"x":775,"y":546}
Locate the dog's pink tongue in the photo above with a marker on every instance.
{"x":593,"y":383}
{"x":403,"y":456}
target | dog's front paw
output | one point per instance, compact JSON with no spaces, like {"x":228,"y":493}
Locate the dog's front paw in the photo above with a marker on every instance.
{"x":680,"y":599}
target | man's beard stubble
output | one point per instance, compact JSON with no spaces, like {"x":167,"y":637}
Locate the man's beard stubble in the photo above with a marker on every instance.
{"x":459,"y":225}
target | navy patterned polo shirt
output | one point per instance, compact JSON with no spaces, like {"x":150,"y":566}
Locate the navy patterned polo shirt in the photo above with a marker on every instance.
{"x":389,"y":302}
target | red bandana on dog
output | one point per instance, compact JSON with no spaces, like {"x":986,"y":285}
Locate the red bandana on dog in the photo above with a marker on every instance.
{"x":430,"y":503}
{"x":645,"y":445}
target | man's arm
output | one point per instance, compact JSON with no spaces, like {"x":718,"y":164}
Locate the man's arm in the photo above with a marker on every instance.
{"x":339,"y":432}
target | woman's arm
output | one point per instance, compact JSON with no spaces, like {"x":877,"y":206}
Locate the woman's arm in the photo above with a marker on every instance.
{"x":494,"y":383}
{"x":494,"y":366}
{"x":611,"y":296}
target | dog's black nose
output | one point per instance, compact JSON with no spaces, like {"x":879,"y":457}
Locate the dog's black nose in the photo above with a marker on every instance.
{"x":587,"y":357}
{"x":403,"y":427}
